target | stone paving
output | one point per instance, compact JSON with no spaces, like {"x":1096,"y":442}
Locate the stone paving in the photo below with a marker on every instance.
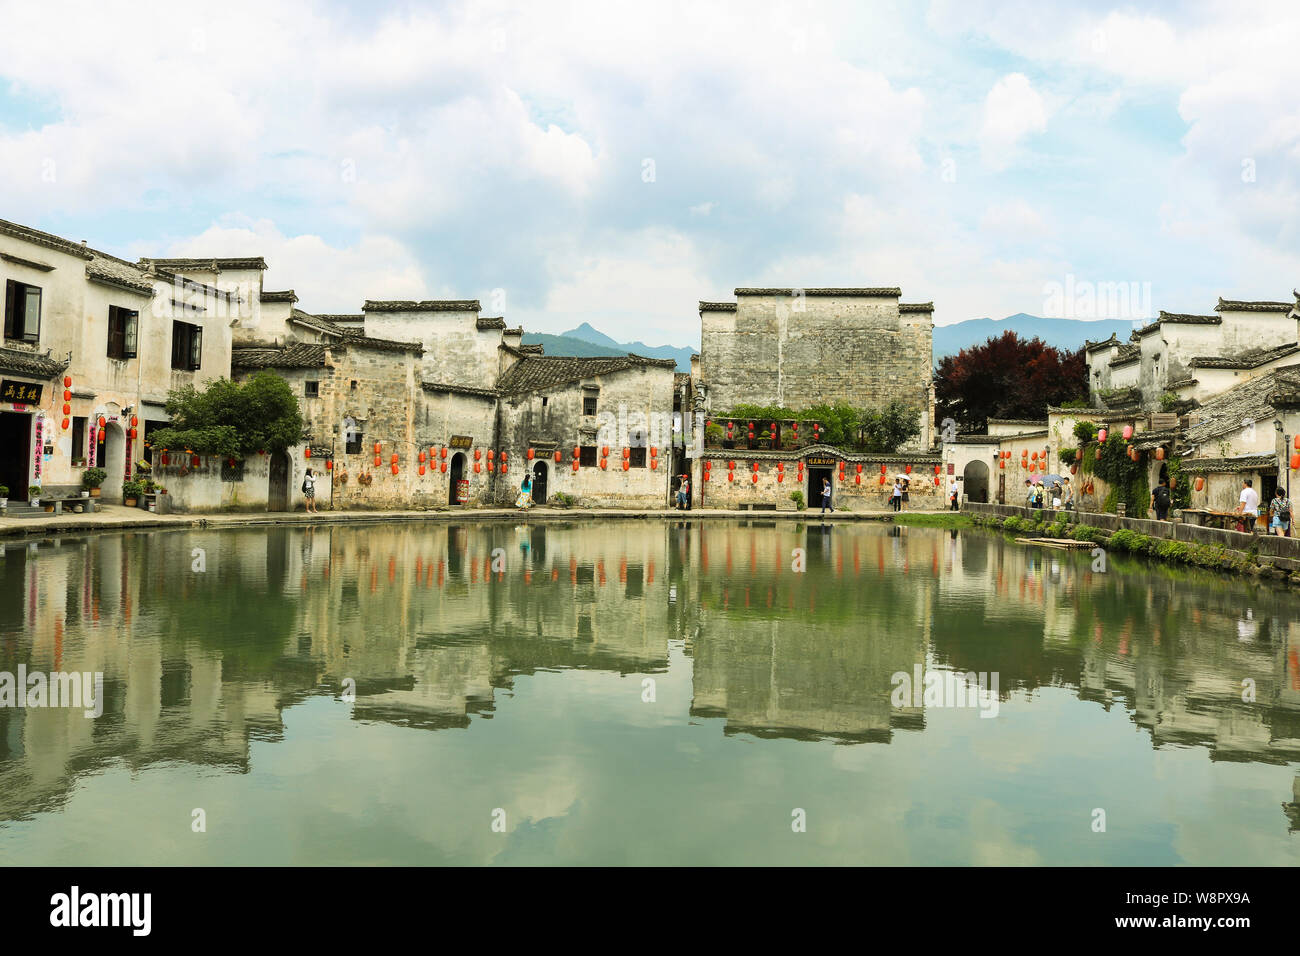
{"x":119,"y":517}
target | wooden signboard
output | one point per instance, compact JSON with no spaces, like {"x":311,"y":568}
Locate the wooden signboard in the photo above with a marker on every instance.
{"x":25,"y":393}
{"x":460,"y":441}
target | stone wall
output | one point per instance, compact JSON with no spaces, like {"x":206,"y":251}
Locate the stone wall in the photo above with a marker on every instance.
{"x":858,"y":491}
{"x":786,"y":350}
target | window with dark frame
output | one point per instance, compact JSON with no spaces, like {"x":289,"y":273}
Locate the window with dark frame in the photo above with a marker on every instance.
{"x":22,"y":311}
{"x":311,"y":389}
{"x":589,"y":404}
{"x":351,"y":437}
{"x":587,"y":456}
{"x":187,"y":346}
{"x":636,"y":457}
{"x":232,"y":472}
{"x":79,"y":438}
{"x":123,"y":326}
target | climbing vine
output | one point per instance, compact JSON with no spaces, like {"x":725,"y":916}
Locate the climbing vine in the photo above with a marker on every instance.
{"x":1127,"y":478}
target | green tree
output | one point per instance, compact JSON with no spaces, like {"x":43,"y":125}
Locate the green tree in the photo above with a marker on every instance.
{"x":886,"y":430}
{"x":233,"y":419}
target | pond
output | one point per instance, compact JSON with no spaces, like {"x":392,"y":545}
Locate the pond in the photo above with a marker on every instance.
{"x":641,"y":692}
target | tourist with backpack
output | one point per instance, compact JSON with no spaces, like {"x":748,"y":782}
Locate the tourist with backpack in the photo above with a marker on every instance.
{"x":1160,"y":500}
{"x":1279,"y":514}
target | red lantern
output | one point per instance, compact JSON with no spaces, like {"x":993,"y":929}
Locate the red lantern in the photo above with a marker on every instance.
{"x":604,"y":464}
{"x":1128,"y":432}
{"x":1297,"y":442}
{"x":882,"y":469}
{"x":1074,"y":469}
{"x":731,"y":476}
{"x":754,"y":465}
{"x":604,"y":451}
{"x":65,"y":425}
{"x":575,"y":466}
{"x":393,"y":458}
{"x":908,"y":469}
{"x":558,"y":456}
{"x":133,"y":431}
{"x":396,"y":469}
{"x":478,"y":454}
{"x":306,"y":452}
{"x":1097,"y":454}
{"x":654,"y":451}
{"x":1295,"y":461}
{"x":165,"y":458}
{"x":502,"y":467}
{"x":422,"y":458}
{"x":134,"y":421}
{"x":731,"y":466}
{"x":1200,"y":483}
{"x":1001,"y":464}
{"x":67,"y":395}
{"x":529,"y":454}
{"x":780,"y":477}
{"x":442,"y":468}
{"x":67,"y":409}
{"x":882,"y":479}
{"x":576,"y":449}
{"x":376,"y":448}
{"x":442,"y":453}
{"x":1034,"y":456}
{"x":1101,"y":435}
{"x":654,"y":464}
{"x":1160,"y":453}
{"x":478,"y":467}
{"x":859,"y":468}
{"x":936,"y":481}
{"x":329,"y":465}
{"x":780,"y":466}
{"x":67,"y":381}
{"x":195,"y":461}
{"x":754,"y":477}
{"x":627,"y":453}
{"x":936,"y":469}
{"x":857,"y":479}
{"x":503,"y":456}
{"x":492,"y":465}
{"x":422,"y":469}
{"x":378,"y":462}
{"x":102,"y":423}
{"x":491,"y":454}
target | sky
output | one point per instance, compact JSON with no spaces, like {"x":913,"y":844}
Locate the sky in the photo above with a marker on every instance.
{"x":615,"y":163}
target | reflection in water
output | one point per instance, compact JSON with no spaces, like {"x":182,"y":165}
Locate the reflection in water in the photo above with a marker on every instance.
{"x":233,"y":686}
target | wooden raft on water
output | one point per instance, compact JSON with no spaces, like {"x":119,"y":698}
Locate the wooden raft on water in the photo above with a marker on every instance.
{"x":1064,"y":544}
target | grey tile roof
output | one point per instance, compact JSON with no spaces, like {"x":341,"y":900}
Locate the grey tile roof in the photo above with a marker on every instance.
{"x":916,"y":307}
{"x":717,"y":306}
{"x":544,"y":371}
{"x":485,"y":323}
{"x":875,"y":292}
{"x":30,"y":364}
{"x":1240,"y":305}
{"x":459,"y":389}
{"x":286,"y":296}
{"x":208,"y":265}
{"x":48,"y":240}
{"x":341,"y":317}
{"x":1126,"y":354}
{"x":297,"y":355}
{"x":1090,"y":346}
{"x":532,"y":349}
{"x":426,"y":305}
{"x":1040,"y":422}
{"x":118,"y":272}
{"x":1251,"y":359}
{"x":1240,"y":463}
{"x":1225,"y":412}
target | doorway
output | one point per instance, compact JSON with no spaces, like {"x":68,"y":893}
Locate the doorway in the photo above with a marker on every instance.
{"x":457,"y":473}
{"x":815,"y":476}
{"x":15,"y":453}
{"x":277,"y":488}
{"x":539,"y":483}
{"x":975,"y":481}
{"x":114,"y":462}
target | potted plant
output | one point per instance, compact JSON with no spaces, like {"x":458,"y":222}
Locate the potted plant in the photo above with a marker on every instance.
{"x":91,"y":479}
{"x":34,"y":495}
{"x":131,"y":492}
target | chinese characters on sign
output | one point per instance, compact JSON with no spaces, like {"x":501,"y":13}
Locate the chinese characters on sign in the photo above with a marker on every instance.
{"x":460,"y":441}
{"x":22,"y":392}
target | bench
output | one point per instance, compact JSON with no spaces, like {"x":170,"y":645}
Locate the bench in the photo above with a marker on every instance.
{"x":70,"y":501}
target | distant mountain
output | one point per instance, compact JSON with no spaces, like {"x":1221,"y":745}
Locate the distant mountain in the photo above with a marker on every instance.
{"x":1062,"y":333}
{"x":587,"y":341}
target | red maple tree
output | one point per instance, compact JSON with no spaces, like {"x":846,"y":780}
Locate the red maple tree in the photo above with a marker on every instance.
{"x":1007,"y":377}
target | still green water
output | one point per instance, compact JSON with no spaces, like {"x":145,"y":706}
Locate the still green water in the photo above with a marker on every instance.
{"x":641,"y":692}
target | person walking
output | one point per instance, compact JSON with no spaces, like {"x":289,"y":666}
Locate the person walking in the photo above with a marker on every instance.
{"x":826,"y":495}
{"x":953,"y":493}
{"x":1279,"y":514}
{"x":1248,"y":506}
{"x":309,"y":492}
{"x":1067,"y":496}
{"x":1029,"y":493}
{"x":896,"y":496}
{"x":684,"y":491}
{"x":907,"y":485}
{"x":1160,"y":499}
{"x":525,"y":499}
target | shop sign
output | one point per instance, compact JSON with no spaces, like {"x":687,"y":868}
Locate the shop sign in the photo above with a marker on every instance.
{"x":460,"y":441}
{"x":22,"y":392}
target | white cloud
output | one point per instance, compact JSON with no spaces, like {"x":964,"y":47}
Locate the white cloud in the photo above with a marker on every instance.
{"x":1013,"y":110}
